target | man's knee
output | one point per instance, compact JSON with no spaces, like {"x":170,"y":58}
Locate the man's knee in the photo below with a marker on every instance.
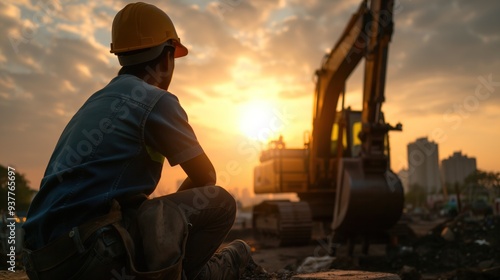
{"x":226,"y":198}
{"x":229,"y":203}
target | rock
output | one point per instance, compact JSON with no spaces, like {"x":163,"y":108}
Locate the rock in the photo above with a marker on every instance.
{"x":346,"y":275}
{"x":448,"y":234}
{"x":485,"y":264}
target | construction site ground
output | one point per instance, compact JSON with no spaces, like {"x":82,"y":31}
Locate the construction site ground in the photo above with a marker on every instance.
{"x":465,"y":247}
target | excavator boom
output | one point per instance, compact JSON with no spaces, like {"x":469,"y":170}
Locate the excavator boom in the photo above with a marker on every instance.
{"x":331,"y":78}
{"x":367,"y":35}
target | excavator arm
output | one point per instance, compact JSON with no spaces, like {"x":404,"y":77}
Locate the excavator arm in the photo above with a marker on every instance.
{"x":381,"y":30}
{"x":331,"y":78}
{"x":367,"y":35}
{"x":374,"y":128}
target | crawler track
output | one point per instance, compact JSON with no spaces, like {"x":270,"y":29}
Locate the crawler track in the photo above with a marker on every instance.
{"x":282,"y":223}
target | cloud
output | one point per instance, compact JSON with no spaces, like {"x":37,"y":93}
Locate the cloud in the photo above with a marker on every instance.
{"x":439,"y":54}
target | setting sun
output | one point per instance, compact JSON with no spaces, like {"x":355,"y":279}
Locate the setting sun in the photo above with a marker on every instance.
{"x":258,"y":121}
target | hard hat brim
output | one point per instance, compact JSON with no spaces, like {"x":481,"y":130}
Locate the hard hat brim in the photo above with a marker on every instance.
{"x":180,"y":50}
{"x":152,"y":53}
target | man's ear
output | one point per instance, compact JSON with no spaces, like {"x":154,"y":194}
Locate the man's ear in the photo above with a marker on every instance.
{"x":170,"y":58}
{"x":163,"y":63}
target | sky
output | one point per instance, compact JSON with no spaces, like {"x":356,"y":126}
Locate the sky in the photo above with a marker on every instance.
{"x":248,"y":77}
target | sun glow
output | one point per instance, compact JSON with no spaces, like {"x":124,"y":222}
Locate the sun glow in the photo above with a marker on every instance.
{"x":259,"y":121}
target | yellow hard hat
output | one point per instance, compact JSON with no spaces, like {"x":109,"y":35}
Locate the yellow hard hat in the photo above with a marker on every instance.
{"x":143,"y":26}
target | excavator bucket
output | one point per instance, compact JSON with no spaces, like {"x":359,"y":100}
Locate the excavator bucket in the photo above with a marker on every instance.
{"x":367,"y":199}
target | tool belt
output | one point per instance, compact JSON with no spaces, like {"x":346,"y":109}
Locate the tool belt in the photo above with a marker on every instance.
{"x":162,"y":229}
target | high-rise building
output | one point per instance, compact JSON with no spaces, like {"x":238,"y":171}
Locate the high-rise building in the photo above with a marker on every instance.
{"x":456,"y":168}
{"x":423,"y":165}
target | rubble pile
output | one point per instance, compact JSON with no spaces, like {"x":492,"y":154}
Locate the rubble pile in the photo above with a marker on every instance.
{"x":466,"y":242}
{"x":467,"y":247}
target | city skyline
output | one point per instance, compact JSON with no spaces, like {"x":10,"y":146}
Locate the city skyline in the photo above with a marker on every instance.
{"x":451,"y":170}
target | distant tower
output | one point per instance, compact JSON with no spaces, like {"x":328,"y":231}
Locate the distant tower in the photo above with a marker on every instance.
{"x":423,"y":165}
{"x":456,"y":168}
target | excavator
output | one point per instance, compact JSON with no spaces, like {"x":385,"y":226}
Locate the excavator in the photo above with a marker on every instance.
{"x":342,"y":175}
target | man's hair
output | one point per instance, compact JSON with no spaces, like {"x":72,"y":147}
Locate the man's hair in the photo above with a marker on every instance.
{"x":141,"y":69}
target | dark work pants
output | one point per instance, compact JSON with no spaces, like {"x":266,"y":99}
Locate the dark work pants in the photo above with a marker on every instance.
{"x":210,"y":212}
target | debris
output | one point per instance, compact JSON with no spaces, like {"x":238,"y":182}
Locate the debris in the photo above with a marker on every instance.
{"x":482,"y":242}
{"x":474,"y":241}
{"x":315,"y":264}
{"x":462,"y":248}
{"x":409,"y":273}
{"x":405,"y":249}
{"x":254,"y":271}
{"x":447,"y":234}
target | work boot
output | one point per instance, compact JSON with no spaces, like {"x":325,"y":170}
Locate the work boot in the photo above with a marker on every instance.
{"x":228,"y":263}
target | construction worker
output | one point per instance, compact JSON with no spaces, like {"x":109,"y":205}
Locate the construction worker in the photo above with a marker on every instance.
{"x":92,"y":218}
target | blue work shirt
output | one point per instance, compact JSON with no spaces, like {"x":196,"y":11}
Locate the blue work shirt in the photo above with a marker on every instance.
{"x":113,"y":147}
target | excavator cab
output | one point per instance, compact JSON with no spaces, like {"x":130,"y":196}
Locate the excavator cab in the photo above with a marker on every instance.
{"x":350,"y":122}
{"x":350,"y":145}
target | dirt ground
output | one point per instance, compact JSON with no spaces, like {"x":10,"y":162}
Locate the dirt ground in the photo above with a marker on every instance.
{"x":466,"y":247}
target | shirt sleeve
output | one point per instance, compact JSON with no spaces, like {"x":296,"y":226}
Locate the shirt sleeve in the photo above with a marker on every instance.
{"x":167,"y":131}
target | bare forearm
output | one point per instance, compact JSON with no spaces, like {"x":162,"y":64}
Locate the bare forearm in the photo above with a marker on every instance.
{"x":187,"y":184}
